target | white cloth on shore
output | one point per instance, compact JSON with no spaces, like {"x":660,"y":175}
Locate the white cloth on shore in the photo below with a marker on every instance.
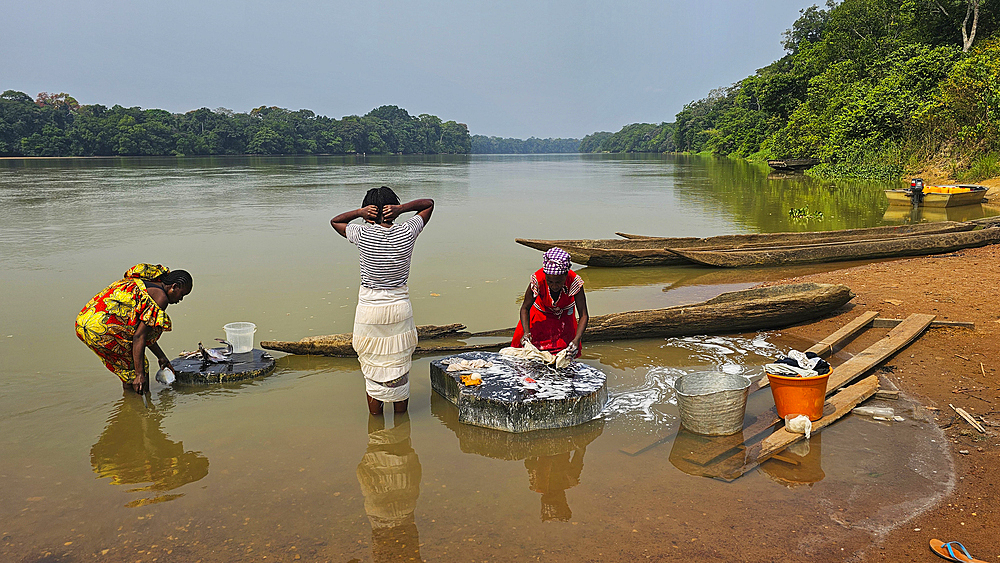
{"x":384,"y":338}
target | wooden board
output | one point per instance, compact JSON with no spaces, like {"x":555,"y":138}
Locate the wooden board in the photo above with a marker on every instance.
{"x":906,"y":332}
{"x":889,"y":323}
{"x":846,"y":332}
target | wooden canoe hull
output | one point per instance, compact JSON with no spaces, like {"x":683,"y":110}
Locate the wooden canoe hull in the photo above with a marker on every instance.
{"x":652,"y":251}
{"x":339,"y":345}
{"x":916,"y":245}
{"x":733,"y":312}
{"x":793,"y":164}
{"x":931,"y":199}
{"x":738,"y":311}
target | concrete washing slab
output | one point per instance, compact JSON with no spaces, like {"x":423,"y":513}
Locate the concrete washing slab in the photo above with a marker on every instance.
{"x":505,"y":401}
{"x":195,"y":371}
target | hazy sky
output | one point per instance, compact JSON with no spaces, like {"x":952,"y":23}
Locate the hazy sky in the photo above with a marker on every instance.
{"x":512,"y":69}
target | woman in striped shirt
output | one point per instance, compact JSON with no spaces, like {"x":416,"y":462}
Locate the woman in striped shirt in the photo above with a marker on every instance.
{"x":384,"y":333}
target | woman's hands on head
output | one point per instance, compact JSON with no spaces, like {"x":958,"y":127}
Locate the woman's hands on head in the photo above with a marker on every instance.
{"x":390,"y":212}
{"x":369,"y":213}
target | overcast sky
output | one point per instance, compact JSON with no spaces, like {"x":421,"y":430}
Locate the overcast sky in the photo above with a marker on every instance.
{"x":512,"y":69}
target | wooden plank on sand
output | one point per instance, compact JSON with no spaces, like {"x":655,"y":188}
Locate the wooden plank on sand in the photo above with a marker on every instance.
{"x":904,"y":333}
{"x":846,"y":332}
{"x":896,"y":340}
{"x":889,"y":323}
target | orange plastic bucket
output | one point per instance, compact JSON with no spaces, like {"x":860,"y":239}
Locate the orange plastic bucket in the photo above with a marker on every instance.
{"x":799,"y":395}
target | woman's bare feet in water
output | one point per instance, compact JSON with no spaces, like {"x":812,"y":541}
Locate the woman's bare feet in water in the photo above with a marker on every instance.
{"x":374,"y":405}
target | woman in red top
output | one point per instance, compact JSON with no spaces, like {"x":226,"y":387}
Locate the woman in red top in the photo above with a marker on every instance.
{"x":552,"y":294}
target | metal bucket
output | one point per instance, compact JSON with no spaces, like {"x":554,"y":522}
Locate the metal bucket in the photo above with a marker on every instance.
{"x":712,"y":402}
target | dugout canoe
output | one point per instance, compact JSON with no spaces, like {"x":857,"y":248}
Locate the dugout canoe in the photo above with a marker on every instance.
{"x":915,"y":245}
{"x":733,"y":312}
{"x":433,"y":339}
{"x":792,"y":164}
{"x":635,"y":250}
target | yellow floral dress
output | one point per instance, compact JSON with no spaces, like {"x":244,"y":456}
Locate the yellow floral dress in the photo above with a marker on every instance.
{"x":108,"y":322}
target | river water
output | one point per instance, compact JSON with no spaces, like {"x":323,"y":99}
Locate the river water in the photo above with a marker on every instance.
{"x":292,"y":467}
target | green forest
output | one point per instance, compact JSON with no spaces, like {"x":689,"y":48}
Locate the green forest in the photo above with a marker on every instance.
{"x":482,"y":144}
{"x":872,"y":88}
{"x":56,"y":125}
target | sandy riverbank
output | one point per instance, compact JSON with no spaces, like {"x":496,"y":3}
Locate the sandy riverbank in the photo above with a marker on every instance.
{"x":944,"y":366}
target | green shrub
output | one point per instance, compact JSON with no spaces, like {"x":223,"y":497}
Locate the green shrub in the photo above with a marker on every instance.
{"x":982,"y":167}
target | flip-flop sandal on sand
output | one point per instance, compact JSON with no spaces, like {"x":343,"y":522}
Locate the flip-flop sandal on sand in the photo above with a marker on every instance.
{"x":953,"y":551}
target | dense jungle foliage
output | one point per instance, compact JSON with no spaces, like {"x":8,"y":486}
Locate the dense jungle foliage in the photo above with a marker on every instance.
{"x":56,"y":125}
{"x":637,"y":137}
{"x":873,"y":88}
{"x":482,"y":144}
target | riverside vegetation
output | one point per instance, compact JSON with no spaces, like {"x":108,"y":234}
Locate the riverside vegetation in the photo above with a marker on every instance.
{"x":873,"y":88}
{"x":56,"y":125}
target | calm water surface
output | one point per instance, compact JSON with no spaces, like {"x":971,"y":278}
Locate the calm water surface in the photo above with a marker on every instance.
{"x":292,"y":467}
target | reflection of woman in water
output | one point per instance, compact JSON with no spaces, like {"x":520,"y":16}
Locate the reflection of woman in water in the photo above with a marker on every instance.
{"x":389,"y":475}
{"x":133,"y":450}
{"x":551,"y":475}
{"x":128,"y":316}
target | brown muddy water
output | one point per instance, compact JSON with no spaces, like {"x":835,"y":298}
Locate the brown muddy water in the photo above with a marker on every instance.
{"x":291,"y":466}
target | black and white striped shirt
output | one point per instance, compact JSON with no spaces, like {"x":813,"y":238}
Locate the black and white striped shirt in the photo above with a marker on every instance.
{"x":385,"y":253}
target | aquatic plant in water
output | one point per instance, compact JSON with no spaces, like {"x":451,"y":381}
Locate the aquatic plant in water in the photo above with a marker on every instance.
{"x":803,"y":213}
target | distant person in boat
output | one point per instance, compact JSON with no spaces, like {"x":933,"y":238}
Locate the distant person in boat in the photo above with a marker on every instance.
{"x":384,"y":333}
{"x":553,"y":293}
{"x":128,"y":317}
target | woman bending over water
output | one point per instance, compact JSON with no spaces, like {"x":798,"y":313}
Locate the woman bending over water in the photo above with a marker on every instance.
{"x":119,"y":323}
{"x":384,"y":333}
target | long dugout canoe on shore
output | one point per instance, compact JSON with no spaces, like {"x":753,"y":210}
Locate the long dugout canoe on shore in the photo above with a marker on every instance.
{"x":733,"y":312}
{"x":652,"y":251}
{"x":915,"y":245}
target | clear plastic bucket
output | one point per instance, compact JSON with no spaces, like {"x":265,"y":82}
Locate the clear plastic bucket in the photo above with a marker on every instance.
{"x":240,"y":335}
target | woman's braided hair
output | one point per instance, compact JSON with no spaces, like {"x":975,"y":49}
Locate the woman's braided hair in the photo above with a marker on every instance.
{"x":179,"y":277}
{"x":380,"y":197}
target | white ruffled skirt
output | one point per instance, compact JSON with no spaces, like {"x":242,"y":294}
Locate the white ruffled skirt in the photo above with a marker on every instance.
{"x":384,"y":338}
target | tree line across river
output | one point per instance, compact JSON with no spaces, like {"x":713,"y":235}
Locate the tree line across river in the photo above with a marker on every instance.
{"x":57,"y":125}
